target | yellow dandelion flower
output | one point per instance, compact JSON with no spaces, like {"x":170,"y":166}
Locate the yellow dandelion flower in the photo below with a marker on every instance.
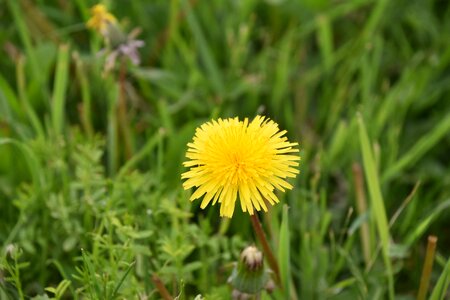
{"x":100,"y":19}
{"x":230,"y":158}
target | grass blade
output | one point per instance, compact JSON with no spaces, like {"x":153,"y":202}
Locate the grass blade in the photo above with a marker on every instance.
{"x":379,"y":212}
{"x":25,"y":101}
{"x":31,"y":159}
{"x":59,"y":89}
{"x":146,"y":149}
{"x":205,"y":51}
{"x":423,"y":225}
{"x":441,"y":287}
{"x":94,"y":283}
{"x":21,"y":26}
{"x":119,"y":284}
{"x":86,"y":115}
{"x":325,"y":40}
{"x":419,"y":149}
{"x":281,"y":72}
{"x":10,"y":102}
{"x":284,"y":254}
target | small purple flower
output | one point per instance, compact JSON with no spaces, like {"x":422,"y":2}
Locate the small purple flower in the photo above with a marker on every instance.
{"x":127,"y":49}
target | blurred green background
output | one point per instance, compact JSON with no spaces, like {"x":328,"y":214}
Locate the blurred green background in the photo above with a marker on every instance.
{"x":92,"y":159}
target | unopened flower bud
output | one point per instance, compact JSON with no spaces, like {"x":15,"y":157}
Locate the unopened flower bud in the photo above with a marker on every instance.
{"x":252,"y":258}
{"x":249,"y":276}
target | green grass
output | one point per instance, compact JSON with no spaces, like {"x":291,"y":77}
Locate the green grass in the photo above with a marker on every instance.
{"x":91,"y":202}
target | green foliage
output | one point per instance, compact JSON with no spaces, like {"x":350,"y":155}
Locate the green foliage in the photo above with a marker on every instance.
{"x":91,"y":203}
{"x":379,"y":213}
{"x":440,"y":290}
{"x":284,"y":253}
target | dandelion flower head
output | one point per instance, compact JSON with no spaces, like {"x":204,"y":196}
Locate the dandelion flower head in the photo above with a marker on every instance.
{"x":231,"y":159}
{"x":100,"y":18}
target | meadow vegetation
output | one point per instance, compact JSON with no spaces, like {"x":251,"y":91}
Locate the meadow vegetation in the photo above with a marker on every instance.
{"x":91,"y":198}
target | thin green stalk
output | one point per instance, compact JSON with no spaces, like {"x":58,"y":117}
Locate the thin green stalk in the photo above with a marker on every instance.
{"x":17,"y":280}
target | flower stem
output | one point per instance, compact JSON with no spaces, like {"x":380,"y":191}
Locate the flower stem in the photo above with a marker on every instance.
{"x":161,"y":288}
{"x":266,"y":248}
{"x":427,"y":267}
{"x":122,"y":110}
